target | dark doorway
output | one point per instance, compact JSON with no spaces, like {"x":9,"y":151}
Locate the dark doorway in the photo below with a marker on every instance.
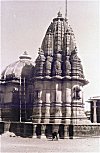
{"x":71,"y":132}
{"x":38,"y":131}
{"x":61,"y":131}
{"x":48,"y":130}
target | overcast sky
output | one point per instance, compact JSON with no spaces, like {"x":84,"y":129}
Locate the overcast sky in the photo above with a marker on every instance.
{"x":24,"y":23}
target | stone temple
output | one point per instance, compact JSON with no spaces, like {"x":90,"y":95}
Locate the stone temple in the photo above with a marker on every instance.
{"x":51,"y":91}
{"x":58,"y":77}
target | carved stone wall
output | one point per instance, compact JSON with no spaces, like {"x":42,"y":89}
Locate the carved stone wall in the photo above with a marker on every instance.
{"x":54,"y":103}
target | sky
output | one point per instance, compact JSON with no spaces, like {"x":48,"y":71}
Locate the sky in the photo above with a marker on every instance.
{"x":24,"y":24}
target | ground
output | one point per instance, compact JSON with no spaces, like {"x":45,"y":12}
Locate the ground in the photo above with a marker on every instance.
{"x":43,"y":145}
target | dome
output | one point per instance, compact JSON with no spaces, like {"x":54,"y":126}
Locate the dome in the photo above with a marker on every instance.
{"x":21,"y":68}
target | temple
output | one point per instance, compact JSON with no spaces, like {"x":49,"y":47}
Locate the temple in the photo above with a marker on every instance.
{"x":51,"y":90}
{"x":15,"y":100}
{"x":58,"y":77}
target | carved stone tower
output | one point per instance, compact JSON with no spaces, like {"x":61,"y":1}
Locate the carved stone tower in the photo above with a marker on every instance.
{"x":58,"y":77}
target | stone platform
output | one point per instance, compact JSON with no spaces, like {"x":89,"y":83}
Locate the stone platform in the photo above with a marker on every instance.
{"x":45,"y":130}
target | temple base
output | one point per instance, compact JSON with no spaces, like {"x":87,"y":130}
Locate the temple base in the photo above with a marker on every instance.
{"x":45,"y":130}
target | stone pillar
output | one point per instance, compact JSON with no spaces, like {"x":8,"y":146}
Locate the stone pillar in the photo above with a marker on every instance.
{"x":94,"y":112}
{"x":52,"y":106}
{"x":58,"y":103}
{"x":47,"y":108}
{"x":67,"y":113}
{"x":75,"y":111}
{"x":6,"y":126}
{"x":55,"y":104}
{"x":34,"y":131}
{"x":65,"y":131}
{"x":39,"y":105}
{"x":67,"y":106}
{"x":43,"y":128}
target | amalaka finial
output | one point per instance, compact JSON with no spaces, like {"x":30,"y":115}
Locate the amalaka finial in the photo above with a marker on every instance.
{"x":25,"y":53}
{"x":25,"y":56}
{"x":59,"y":14}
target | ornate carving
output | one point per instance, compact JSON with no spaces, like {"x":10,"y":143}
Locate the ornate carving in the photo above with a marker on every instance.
{"x":40,"y":63}
{"x":74,"y":56}
{"x":37,"y":95}
{"x":76,"y":93}
{"x":77,"y":69}
{"x":47,"y":68}
{"x":57,"y":65}
{"x":66,"y":67}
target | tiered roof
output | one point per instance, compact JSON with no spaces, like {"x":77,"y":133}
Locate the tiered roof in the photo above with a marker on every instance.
{"x":58,"y":53}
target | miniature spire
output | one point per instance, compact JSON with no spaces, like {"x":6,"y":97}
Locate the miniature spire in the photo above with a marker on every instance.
{"x":40,"y":51}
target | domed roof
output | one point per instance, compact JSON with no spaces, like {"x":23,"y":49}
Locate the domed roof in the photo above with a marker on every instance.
{"x":21,"y":68}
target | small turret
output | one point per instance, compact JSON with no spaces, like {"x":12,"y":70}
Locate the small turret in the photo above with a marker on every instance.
{"x":39,"y":63}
